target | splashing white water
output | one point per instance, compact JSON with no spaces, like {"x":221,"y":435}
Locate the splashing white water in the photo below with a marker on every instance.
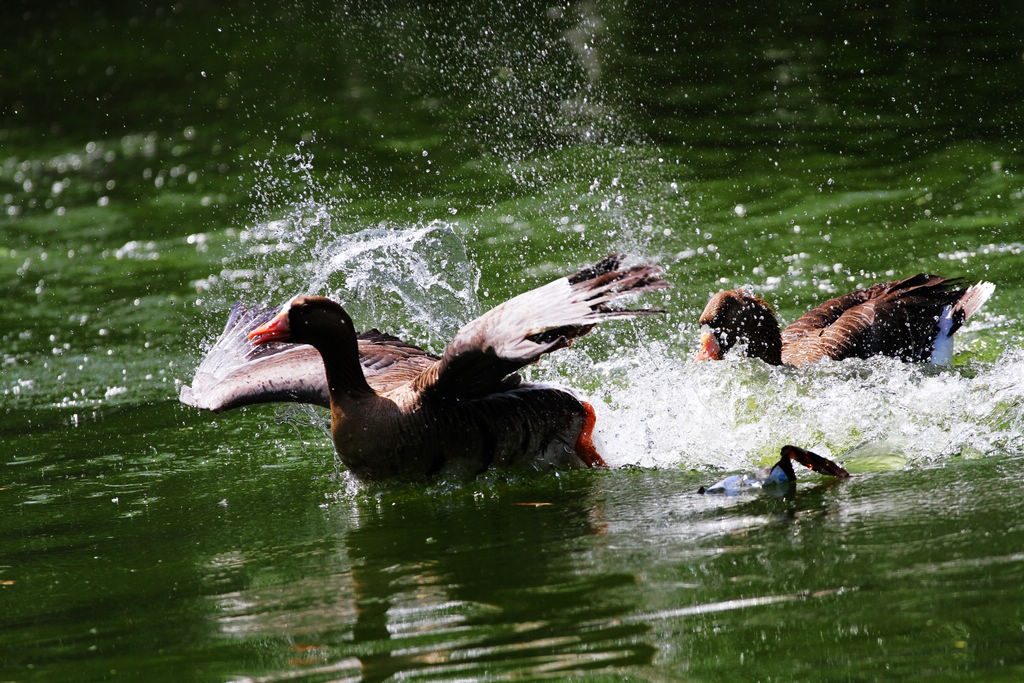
{"x":657,"y":409}
{"x":415,"y":279}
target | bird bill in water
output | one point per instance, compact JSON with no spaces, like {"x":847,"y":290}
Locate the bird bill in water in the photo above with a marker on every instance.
{"x":779,"y":473}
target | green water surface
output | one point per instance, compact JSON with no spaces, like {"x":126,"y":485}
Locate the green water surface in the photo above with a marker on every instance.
{"x":423,"y":163}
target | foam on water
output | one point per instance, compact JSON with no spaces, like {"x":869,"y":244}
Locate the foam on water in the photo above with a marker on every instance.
{"x":657,"y":409}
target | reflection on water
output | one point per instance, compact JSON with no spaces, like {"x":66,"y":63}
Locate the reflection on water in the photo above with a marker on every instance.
{"x":412,"y":585}
{"x":633,"y":572}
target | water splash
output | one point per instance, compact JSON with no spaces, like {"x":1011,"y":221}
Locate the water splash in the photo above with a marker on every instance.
{"x":414,"y":278}
{"x":657,"y":409}
{"x":411,"y":278}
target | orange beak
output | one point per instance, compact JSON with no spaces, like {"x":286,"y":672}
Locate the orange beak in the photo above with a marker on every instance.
{"x":709,"y":348}
{"x":276,"y":330}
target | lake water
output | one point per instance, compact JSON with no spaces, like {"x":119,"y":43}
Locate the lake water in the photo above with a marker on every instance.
{"x":422,"y":165}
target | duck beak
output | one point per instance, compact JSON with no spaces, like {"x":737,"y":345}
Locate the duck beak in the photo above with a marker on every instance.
{"x":276,"y":330}
{"x":709,"y":348}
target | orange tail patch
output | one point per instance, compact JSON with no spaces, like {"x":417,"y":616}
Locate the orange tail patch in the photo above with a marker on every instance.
{"x":585,"y":443}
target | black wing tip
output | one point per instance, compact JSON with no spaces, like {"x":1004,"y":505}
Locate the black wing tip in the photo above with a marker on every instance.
{"x":606,"y":265}
{"x":608,"y":276}
{"x":376,"y":336}
{"x":928,"y":282}
{"x":599,"y":284}
{"x":966,"y":299}
{"x":609,"y":264}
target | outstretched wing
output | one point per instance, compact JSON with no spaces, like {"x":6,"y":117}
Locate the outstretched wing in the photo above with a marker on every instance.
{"x":235,"y":373}
{"x":490,"y":348}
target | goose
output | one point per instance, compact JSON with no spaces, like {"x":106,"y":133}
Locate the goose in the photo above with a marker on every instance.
{"x":400,"y":412}
{"x":912,"y":319}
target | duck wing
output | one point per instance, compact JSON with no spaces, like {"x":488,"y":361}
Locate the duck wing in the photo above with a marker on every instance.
{"x":235,"y":373}
{"x":898,"y":319}
{"x":389,"y":362}
{"x":487,"y":351}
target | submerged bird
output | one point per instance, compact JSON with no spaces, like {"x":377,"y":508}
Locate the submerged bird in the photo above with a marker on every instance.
{"x":779,"y":473}
{"x":911,"y":319}
{"x":397,"y":411}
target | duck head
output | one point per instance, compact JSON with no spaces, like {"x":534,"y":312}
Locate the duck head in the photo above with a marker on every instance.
{"x":739,"y":318}
{"x":324,"y":325}
{"x":314,"y":320}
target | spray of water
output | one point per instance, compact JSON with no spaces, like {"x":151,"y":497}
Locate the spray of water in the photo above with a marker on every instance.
{"x":655,"y":407}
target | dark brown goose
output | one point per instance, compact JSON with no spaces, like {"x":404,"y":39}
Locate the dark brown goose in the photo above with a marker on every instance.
{"x":911,"y":319}
{"x":408,"y":414}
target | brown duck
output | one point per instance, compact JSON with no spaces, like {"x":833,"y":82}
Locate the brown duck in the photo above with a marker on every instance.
{"x":397,"y":411}
{"x":911,"y":319}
